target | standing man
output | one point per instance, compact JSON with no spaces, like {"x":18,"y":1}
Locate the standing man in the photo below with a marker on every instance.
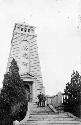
{"x":43,"y":100}
{"x":40,"y":99}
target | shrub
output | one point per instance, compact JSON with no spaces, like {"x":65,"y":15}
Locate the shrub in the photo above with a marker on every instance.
{"x":13,"y":102}
{"x":72,"y":91}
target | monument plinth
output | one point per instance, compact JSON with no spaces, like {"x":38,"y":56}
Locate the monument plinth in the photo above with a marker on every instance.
{"x":25,"y":51}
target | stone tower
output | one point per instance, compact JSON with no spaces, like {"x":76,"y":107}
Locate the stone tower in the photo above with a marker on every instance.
{"x":25,"y":51}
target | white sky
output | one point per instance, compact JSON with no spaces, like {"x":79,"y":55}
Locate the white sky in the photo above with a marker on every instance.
{"x":59,"y":37}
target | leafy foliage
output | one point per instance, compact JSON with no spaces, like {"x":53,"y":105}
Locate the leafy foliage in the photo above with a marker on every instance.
{"x":13,"y":88}
{"x":73,"y":88}
{"x":72,"y":92}
{"x":13,"y":102}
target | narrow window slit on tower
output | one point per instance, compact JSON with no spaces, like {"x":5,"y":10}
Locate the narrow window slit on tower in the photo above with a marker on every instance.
{"x":28,"y":30}
{"x":18,"y":27}
{"x":25,"y":30}
{"x":21,"y":29}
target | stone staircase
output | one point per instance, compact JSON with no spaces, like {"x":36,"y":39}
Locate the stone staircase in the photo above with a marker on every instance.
{"x":45,"y":116}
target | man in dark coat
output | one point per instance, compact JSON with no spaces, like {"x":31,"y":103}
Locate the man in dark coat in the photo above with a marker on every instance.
{"x":43,"y":100}
{"x":40,"y":100}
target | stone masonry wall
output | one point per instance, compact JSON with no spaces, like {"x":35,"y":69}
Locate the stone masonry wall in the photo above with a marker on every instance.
{"x":24,"y":36}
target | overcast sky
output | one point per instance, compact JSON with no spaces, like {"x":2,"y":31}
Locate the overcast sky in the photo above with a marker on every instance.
{"x":59,"y":37}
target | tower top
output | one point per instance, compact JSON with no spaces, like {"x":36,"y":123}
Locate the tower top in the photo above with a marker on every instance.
{"x":24,"y":29}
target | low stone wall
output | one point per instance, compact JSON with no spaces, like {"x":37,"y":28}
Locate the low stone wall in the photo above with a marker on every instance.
{"x":56,"y":100}
{"x":52,"y":108}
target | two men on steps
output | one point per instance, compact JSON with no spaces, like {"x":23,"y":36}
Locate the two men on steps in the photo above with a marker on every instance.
{"x":42,"y":99}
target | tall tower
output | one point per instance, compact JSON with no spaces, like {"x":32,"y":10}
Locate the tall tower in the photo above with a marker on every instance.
{"x":25,"y":51}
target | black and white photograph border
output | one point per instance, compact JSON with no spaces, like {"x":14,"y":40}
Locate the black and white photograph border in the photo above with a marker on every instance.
{"x":40,"y":62}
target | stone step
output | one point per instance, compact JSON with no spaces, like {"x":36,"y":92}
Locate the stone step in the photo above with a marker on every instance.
{"x":52,"y":122}
{"x":50,"y":115}
{"x":39,"y":111}
{"x":44,"y":110}
{"x":42,"y":107}
{"x":40,"y":114}
{"x":46,"y":113}
{"x":50,"y":118}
